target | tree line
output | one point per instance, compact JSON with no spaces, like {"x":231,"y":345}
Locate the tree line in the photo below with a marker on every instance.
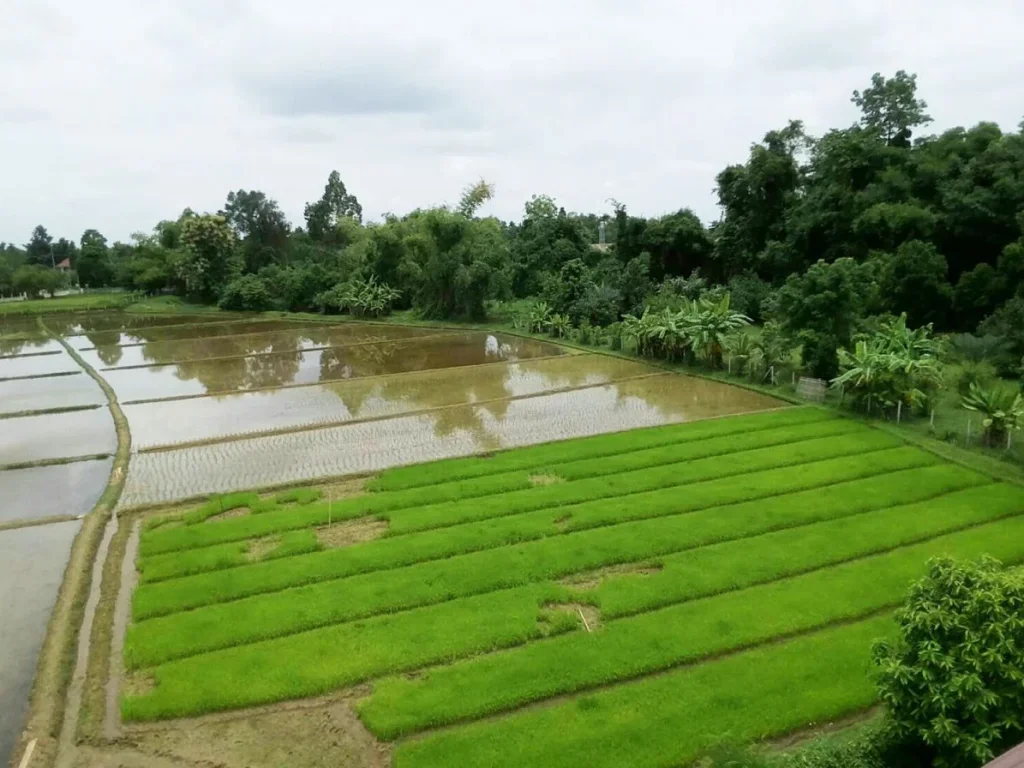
{"x":817,"y":233}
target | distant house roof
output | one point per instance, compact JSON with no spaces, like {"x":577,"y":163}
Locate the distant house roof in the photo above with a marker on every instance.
{"x":66,"y":264}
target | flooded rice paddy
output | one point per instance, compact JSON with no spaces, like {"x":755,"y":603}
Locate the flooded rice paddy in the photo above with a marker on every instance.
{"x":31,"y":567}
{"x":201,"y":377}
{"x":178,"y":421}
{"x":44,"y":394}
{"x":40,"y":492}
{"x":252,"y":402}
{"x":36,"y":365}
{"x":57,"y":435}
{"x":456,"y":431}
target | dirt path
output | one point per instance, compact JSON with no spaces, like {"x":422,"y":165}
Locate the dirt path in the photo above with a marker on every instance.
{"x":122,"y":615}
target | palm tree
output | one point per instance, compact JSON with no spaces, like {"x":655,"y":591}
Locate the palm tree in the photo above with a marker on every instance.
{"x":1002,"y":410}
{"x":712,"y":322}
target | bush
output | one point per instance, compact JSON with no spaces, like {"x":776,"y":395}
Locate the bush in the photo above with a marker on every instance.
{"x":871,"y":746}
{"x":820,"y":355}
{"x":360,"y":298}
{"x":248,"y":294}
{"x":748,"y":294}
{"x":953,"y":680}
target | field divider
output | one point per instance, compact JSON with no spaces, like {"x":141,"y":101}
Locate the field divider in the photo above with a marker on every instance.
{"x":548,"y":529}
{"x":507,"y":495}
{"x":215,"y":320}
{"x":265,"y":617}
{"x":301,"y":351}
{"x":31,"y":354}
{"x":222,"y":393}
{"x":40,"y":376}
{"x":54,"y":462}
{"x":50,"y":411}
{"x":333,"y":424}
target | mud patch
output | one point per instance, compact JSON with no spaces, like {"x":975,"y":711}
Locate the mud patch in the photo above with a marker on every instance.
{"x":588,"y":616}
{"x":321,"y":734}
{"x":562,"y":523}
{"x":137,"y":684}
{"x":260,"y":548}
{"x":350,"y":532}
{"x":541,"y":480}
{"x":231,"y":513}
{"x":344,"y":489}
{"x":591,"y":579}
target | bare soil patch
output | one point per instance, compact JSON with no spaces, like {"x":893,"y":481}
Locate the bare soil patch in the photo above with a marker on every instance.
{"x":350,"y":532}
{"x":591,"y":579}
{"x":589,"y":616}
{"x":231,"y":513}
{"x":260,"y":548}
{"x":539,"y":480}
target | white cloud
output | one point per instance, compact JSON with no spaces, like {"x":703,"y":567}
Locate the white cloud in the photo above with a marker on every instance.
{"x":115,"y":114}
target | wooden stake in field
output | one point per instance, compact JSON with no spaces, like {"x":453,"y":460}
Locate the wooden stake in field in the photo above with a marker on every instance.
{"x":328,"y":510}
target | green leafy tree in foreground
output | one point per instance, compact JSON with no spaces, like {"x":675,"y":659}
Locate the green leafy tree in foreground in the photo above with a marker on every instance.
{"x":953,"y":679}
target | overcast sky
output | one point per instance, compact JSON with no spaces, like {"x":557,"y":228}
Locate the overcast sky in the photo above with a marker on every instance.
{"x":115,"y":114}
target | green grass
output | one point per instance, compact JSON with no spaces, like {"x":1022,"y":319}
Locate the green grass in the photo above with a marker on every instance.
{"x":704,"y":525}
{"x":637,"y":646}
{"x":72,"y":303}
{"x":157,"y":599}
{"x":545,"y":454}
{"x":671,"y":719}
{"x":734,"y":567}
{"x":707,"y":570}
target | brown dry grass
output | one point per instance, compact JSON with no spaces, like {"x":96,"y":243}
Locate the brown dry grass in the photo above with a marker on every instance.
{"x":591,"y":579}
{"x":350,"y":532}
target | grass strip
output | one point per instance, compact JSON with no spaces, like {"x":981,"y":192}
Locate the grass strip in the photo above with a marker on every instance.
{"x":40,"y":376}
{"x":408,"y":519}
{"x":418,"y":475}
{"x":54,"y":462}
{"x":637,"y":646}
{"x":739,"y":564}
{"x":50,"y":411}
{"x":705,"y":526}
{"x":687,"y":575}
{"x":519,"y":480}
{"x":672,"y":718}
{"x":319,"y":661}
{"x":190,"y":592}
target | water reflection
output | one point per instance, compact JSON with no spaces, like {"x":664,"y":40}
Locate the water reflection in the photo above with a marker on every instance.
{"x":287,"y":364}
{"x":56,"y":392}
{"x":36,"y":365}
{"x":182,"y":332}
{"x":457,"y":431}
{"x":58,"y":435}
{"x":163,"y":423}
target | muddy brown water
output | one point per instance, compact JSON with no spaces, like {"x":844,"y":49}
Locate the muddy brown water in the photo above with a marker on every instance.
{"x":40,"y":492}
{"x":297,"y":339}
{"x":350,"y":362}
{"x":171,"y":332}
{"x":42,"y":394}
{"x":178,"y":421}
{"x":32,"y":562}
{"x":446,"y":432}
{"x":57,"y":435}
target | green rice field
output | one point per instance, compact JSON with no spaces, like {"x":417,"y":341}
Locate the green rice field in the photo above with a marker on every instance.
{"x":631,"y":598}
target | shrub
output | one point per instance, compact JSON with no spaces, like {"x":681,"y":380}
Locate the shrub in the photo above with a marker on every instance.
{"x":248,"y":293}
{"x":953,"y":680}
{"x":360,"y":298}
{"x":1002,"y":410}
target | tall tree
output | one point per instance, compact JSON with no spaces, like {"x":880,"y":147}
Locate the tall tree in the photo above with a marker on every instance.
{"x":260,"y":224}
{"x":94,"y":267}
{"x":891,"y":107}
{"x":209,"y":260}
{"x":39,"y":248}
{"x":323,"y":216}
{"x":474,"y":196}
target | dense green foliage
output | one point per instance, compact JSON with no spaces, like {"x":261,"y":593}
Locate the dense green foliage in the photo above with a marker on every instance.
{"x":952,"y":679}
{"x":818,"y":233}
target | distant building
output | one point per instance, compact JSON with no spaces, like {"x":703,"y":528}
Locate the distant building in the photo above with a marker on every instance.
{"x":64,"y":266}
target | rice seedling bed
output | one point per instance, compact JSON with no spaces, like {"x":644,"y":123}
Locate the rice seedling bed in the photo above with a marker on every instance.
{"x":442,"y":433}
{"x":654,"y":591}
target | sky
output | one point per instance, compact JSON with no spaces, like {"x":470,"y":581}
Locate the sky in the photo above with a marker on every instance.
{"x":115,"y":114}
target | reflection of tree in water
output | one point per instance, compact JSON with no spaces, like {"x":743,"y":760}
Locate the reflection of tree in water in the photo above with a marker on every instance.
{"x":677,"y":397}
{"x":431,"y":389}
{"x":277,"y":366}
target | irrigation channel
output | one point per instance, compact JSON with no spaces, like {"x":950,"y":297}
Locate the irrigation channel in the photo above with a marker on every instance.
{"x":222,"y":403}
